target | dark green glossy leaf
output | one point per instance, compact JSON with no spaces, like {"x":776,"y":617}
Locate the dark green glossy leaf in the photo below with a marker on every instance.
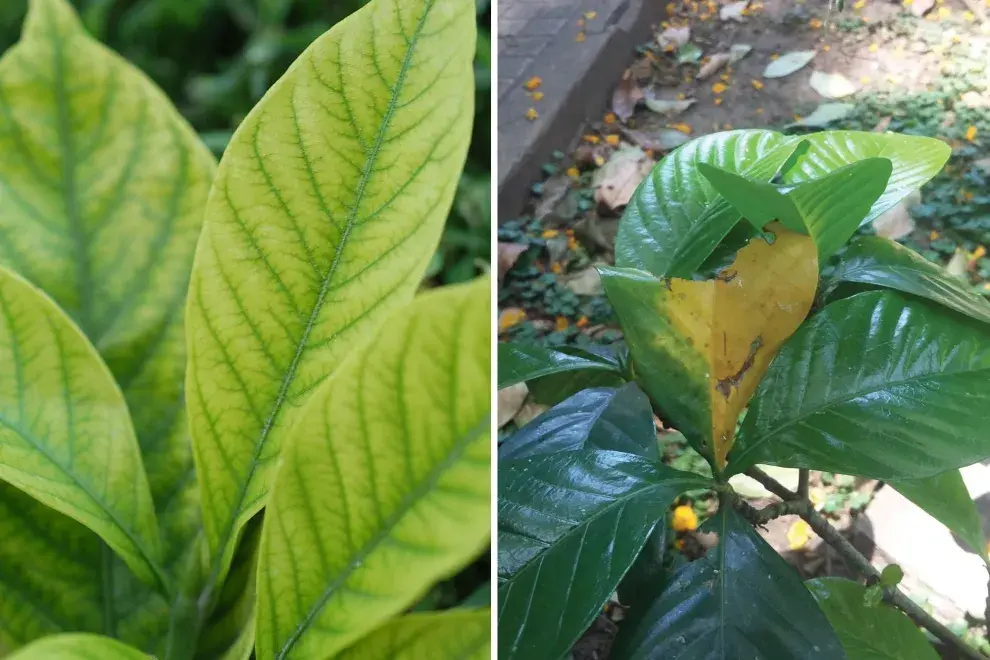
{"x":946,"y":498}
{"x":561,"y":553}
{"x":598,"y":418}
{"x":915,"y":161}
{"x":877,"y":385}
{"x":740,"y":601}
{"x":551,"y":390}
{"x":676,"y":218}
{"x":518,"y":363}
{"x":648,"y":575}
{"x":883,"y":263}
{"x":868,"y":633}
{"x":829,"y":208}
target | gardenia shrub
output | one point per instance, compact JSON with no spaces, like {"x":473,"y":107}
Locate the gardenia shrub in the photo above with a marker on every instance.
{"x":762,"y":327}
{"x":228,"y":423}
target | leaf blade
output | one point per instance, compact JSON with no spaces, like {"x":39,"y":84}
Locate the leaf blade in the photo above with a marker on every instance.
{"x":335,"y":248}
{"x":879,"y":369}
{"x":78,"y":646}
{"x":440,"y":635}
{"x":670,"y":231}
{"x":417,"y":490}
{"x":518,"y":363}
{"x":546,"y":533}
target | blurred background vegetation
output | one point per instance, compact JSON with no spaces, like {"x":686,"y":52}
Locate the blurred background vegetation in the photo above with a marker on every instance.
{"x":216,"y":58}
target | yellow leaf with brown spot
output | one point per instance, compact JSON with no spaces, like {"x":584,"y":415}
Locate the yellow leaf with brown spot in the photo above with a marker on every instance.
{"x":701,"y":347}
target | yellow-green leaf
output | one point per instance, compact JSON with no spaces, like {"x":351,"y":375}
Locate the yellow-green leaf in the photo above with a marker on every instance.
{"x":78,"y":646}
{"x":384,"y":487}
{"x":102,"y":190}
{"x":701,"y":347}
{"x":325,"y":212}
{"x":65,"y":434}
{"x":450,"y":635}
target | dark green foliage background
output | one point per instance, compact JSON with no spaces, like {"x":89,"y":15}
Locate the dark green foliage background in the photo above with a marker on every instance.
{"x":216,"y":58}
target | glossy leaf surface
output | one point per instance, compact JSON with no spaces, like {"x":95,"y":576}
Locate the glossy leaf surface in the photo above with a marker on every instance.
{"x":78,"y":646}
{"x":915,"y":161}
{"x":449,"y":635}
{"x":830,"y":208}
{"x":740,"y":601}
{"x":385,"y":483}
{"x":876,"y":385}
{"x":518,"y":363}
{"x":883,"y":263}
{"x":560,"y":554}
{"x":868,"y":633}
{"x":327,"y":207}
{"x":676,"y":218}
{"x":65,"y":433}
{"x":947,"y":499}
{"x":701,"y":347}
{"x":599,"y":418}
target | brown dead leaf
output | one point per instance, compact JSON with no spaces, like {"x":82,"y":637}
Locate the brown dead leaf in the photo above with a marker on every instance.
{"x":883,"y":124}
{"x":897,"y":222}
{"x":627,"y":94}
{"x":921,"y":7}
{"x":508,"y":254}
{"x":618,"y":179}
{"x":717,"y":61}
{"x":510,"y":400}
{"x":659,"y":140}
{"x":528,"y":412}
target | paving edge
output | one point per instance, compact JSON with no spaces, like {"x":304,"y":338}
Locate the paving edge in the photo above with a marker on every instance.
{"x":563,"y":110}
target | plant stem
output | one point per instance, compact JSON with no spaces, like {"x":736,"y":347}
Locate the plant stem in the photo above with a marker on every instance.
{"x":803,"y":477}
{"x":856,"y":559}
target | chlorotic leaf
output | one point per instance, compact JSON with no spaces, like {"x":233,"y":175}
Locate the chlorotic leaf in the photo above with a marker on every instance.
{"x":947,"y":499}
{"x":867,"y":386}
{"x":914,"y":159}
{"x":740,"y":601}
{"x":102,"y":188}
{"x":450,"y":635}
{"x":65,"y":433}
{"x":701,"y":347}
{"x":868,"y":633}
{"x":326,"y":209}
{"x":884,"y":263}
{"x":676,"y":218}
{"x":597,"y":418}
{"x":518,"y":363}
{"x":78,"y":646}
{"x":385,"y":483}
{"x":557,"y":520}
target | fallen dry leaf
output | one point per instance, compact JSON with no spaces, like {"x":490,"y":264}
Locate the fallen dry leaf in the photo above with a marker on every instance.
{"x":921,"y":7}
{"x":510,"y":400}
{"x":528,"y":412}
{"x":897,"y":222}
{"x":882,"y":124}
{"x":738,"y":51}
{"x":668,"y":107}
{"x":824,"y":114}
{"x":717,"y":61}
{"x":508,"y":254}
{"x":627,"y":94}
{"x":674,"y":37}
{"x":663,"y":139}
{"x":733,"y":11}
{"x":585,"y":282}
{"x":617,"y":180}
{"x":788,"y":63}
{"x":831,"y":85}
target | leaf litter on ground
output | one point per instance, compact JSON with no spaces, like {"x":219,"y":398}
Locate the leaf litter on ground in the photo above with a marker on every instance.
{"x":825,"y":114}
{"x":788,"y":63}
{"x":734,"y":11}
{"x":617,"y":180}
{"x":831,"y":85}
{"x":626,"y":96}
{"x":668,"y":107}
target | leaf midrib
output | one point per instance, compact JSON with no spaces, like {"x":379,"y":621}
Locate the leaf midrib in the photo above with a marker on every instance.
{"x":411,"y":499}
{"x":349,"y":223}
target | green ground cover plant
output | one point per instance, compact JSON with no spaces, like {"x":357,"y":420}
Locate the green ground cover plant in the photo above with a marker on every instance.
{"x":229,"y":425}
{"x":760,"y":326}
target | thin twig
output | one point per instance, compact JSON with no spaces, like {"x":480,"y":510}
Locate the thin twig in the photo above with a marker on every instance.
{"x":803,"y":478}
{"x":856,"y":559}
{"x":761,"y":517}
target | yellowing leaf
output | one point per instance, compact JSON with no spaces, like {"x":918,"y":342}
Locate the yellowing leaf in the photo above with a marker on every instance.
{"x":77,"y":646}
{"x":385,"y":484}
{"x":326,"y":210}
{"x":462,"y":634}
{"x":702,"y":346}
{"x":65,"y":434}
{"x":102,"y":188}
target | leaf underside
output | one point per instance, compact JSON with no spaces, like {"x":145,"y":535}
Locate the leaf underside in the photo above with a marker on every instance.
{"x":385,"y":486}
{"x":326,"y":209}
